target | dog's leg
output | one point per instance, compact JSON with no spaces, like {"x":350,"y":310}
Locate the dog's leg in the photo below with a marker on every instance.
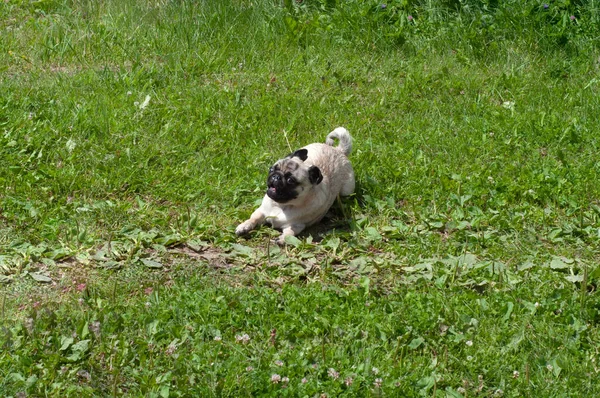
{"x":348,"y":182}
{"x":257,"y":218}
{"x":292,"y":230}
{"x":347,"y":187}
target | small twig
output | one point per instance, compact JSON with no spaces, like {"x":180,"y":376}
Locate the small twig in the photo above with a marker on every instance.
{"x":115,"y":382}
{"x":3,"y":304}
{"x":108,"y":246}
{"x":269,"y":251}
{"x":286,"y":140}
{"x":583,"y":287}
{"x":77,"y":235}
{"x":455,"y":274}
{"x":114,"y":292}
{"x":397,"y":349}
{"x":445,"y":355}
{"x":189,"y":220}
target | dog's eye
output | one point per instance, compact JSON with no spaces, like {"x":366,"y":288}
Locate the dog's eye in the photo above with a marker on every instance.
{"x":271,"y":170}
{"x":290,"y":180}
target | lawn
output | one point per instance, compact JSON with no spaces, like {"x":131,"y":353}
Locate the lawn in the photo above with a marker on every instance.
{"x":135,"y":136}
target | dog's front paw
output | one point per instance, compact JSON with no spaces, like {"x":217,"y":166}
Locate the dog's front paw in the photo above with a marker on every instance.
{"x":244,"y":228}
{"x":280,"y":241}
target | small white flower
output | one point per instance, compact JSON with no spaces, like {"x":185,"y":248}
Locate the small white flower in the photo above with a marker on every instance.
{"x":304,"y":380}
{"x":378,"y":382}
{"x":279,"y":362}
{"x":145,"y":103}
{"x":516,"y":374}
{"x":244,"y":338}
{"x":275,"y":378}
{"x":84,"y":374}
{"x":71,"y":145}
{"x":218,"y":338}
{"x":550,"y":367}
{"x":469,"y":343}
{"x":171,"y":349}
{"x":537,"y":304}
{"x":348,"y":381}
{"x":29,"y":325}
{"x":461,"y":390}
{"x":249,"y":369}
{"x":375,"y":371}
{"x":285,"y":380}
{"x":469,"y":358}
{"x":331,"y":372}
{"x":508,"y":105}
{"x":129,"y":93}
{"x":95,"y":328}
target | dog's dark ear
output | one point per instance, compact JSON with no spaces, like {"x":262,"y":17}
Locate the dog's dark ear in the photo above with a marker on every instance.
{"x":300,"y":153}
{"x":314,"y":175}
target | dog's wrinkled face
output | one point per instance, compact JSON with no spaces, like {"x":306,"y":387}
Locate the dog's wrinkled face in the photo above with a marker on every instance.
{"x":290,"y":178}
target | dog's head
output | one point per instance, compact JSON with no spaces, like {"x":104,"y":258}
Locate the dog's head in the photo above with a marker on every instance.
{"x":290,"y":179}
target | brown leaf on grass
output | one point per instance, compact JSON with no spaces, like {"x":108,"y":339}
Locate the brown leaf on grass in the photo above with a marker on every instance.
{"x":215,"y":257}
{"x":186,"y":251}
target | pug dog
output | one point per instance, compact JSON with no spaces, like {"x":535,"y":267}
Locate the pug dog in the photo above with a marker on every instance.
{"x":302,"y":186}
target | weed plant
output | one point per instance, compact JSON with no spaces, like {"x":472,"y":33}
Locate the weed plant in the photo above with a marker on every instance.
{"x":134,"y":136}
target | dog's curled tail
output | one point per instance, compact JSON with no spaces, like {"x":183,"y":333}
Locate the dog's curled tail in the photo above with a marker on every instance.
{"x":344,"y":138}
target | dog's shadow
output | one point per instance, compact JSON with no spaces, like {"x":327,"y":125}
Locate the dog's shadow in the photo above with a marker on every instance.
{"x":340,"y":217}
{"x":331,"y":222}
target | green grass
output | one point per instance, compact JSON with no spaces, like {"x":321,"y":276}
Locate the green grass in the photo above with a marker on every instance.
{"x":134,"y":138}
{"x":415,"y":338}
